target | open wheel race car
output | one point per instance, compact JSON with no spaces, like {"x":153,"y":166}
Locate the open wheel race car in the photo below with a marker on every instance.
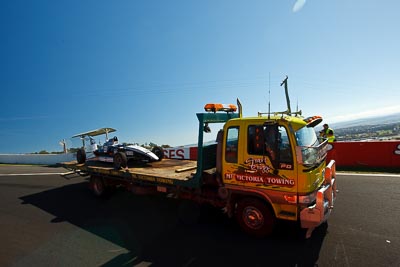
{"x":113,"y":151}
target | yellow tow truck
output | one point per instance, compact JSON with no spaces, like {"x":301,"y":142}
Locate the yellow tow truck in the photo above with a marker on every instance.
{"x":260,"y":169}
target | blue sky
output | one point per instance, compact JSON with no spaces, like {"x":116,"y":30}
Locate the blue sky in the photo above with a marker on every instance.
{"x":146,"y":67}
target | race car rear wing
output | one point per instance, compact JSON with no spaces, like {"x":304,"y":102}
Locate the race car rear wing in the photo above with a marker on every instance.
{"x":100,"y":131}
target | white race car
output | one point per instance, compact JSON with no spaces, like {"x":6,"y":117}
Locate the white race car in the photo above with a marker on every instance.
{"x":113,"y":151}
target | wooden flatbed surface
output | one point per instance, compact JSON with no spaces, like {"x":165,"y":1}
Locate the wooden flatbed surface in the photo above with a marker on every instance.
{"x":166,"y":169}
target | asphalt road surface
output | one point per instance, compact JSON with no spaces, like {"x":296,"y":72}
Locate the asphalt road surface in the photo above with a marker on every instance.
{"x":47,"y":220}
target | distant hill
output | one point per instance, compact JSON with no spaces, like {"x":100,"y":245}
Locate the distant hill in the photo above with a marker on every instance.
{"x":373,"y":128}
{"x":378,"y":120}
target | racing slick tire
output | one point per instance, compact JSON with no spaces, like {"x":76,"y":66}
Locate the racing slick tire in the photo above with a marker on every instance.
{"x":81,"y":156}
{"x":120,"y":160}
{"x":159,"y":152}
{"x":255,"y":217}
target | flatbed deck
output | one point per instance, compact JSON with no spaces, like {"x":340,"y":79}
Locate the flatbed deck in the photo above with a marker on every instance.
{"x":166,"y":171}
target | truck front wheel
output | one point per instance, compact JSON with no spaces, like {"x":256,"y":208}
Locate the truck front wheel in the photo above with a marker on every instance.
{"x":255,"y":217}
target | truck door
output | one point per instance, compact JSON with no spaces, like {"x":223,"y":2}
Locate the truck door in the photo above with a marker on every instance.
{"x":265,"y":158}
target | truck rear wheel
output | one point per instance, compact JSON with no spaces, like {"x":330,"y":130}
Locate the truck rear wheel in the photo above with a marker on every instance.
{"x":98,"y":186}
{"x":255,"y":217}
{"x":81,"y":156}
{"x":120,"y":160}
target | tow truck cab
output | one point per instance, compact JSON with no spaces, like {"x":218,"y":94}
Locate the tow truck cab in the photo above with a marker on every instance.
{"x":279,"y":160}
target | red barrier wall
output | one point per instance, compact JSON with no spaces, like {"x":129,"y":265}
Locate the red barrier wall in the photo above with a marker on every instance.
{"x":380,"y":154}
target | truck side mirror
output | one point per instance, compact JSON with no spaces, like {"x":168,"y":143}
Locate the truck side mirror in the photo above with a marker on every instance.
{"x":206,"y":128}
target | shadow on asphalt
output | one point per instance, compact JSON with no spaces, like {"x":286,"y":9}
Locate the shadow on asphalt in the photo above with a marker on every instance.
{"x":149,"y":228}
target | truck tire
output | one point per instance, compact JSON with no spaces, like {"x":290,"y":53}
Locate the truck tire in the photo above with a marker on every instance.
{"x":159,"y":152}
{"x":81,"y":156}
{"x":120,"y":160}
{"x":255,"y":217}
{"x":98,"y":186}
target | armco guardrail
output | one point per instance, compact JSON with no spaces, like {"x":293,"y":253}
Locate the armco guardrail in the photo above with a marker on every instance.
{"x":44,"y":159}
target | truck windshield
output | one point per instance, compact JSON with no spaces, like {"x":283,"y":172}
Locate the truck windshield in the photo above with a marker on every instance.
{"x":312,"y":152}
{"x":306,"y":137}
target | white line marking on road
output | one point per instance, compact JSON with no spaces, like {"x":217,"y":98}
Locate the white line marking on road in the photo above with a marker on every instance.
{"x":369,"y":174}
{"x":31,"y":174}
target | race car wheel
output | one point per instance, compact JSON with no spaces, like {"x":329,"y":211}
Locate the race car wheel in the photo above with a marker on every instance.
{"x":81,"y":156}
{"x":120,"y":160}
{"x":158,"y":151}
{"x":255,"y":217}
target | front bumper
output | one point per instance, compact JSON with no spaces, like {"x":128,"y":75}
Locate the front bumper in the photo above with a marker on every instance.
{"x":318,"y":213}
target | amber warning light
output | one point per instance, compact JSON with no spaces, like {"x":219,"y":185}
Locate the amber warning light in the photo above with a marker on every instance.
{"x":212,"y":107}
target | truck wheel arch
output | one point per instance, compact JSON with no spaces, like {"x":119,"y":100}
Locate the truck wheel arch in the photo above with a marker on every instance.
{"x":236,"y":196}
